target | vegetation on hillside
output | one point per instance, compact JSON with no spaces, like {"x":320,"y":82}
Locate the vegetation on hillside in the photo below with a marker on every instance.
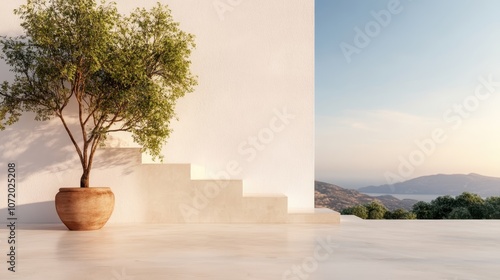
{"x":337,"y":198}
{"x":375,"y":210}
{"x":464,"y":206}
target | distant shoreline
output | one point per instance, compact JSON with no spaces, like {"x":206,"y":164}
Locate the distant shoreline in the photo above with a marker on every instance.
{"x":419,"y":197}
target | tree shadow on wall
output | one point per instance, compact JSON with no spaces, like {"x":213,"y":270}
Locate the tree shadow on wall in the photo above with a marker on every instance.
{"x":44,"y":156}
{"x":45,"y":147}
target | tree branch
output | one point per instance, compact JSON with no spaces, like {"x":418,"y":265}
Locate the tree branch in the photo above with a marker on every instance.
{"x":78,"y":150}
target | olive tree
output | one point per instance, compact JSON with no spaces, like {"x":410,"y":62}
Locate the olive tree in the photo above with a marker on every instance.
{"x":122,"y":72}
{"x":376,"y":210}
{"x":473,"y":203}
{"x":423,"y":210}
{"x":442,"y":206}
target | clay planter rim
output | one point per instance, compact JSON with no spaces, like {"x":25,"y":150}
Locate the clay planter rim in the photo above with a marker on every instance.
{"x":78,"y":189}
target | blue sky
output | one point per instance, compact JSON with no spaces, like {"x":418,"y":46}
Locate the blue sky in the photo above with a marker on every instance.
{"x":417,"y":73}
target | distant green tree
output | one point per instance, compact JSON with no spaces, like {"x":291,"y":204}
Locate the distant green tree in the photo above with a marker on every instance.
{"x":467,"y":198}
{"x":461,"y":213}
{"x":346,"y":211}
{"x":474,"y":204}
{"x":411,"y":216}
{"x":442,"y":206}
{"x":388,"y":215}
{"x":376,"y":210}
{"x":423,"y":210}
{"x":400,"y":214}
{"x":358,"y":210}
{"x":492,"y":207}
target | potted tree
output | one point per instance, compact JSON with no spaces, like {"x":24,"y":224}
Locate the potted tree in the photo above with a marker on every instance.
{"x":121,"y":73}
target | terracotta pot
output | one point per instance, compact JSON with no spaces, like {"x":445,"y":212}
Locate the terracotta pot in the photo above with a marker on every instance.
{"x":84,"y":208}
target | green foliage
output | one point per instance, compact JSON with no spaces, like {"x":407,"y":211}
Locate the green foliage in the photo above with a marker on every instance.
{"x":473,"y":203}
{"x":466,"y":199}
{"x":400,"y":214}
{"x":442,"y":206}
{"x":492,"y":208}
{"x":460,"y":213}
{"x":411,"y":216}
{"x":124,"y":73}
{"x":358,"y":210}
{"x":423,"y":210}
{"x":376,"y":210}
{"x":464,"y":206}
{"x":346,"y":211}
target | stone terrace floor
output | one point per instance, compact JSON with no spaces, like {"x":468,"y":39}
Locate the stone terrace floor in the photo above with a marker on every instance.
{"x":355,"y":249}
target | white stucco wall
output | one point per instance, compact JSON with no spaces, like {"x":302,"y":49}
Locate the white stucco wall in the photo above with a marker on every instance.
{"x":251,"y":116}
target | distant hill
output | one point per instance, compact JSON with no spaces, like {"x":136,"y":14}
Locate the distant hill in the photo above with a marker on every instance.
{"x":442,"y":184}
{"x":337,"y":198}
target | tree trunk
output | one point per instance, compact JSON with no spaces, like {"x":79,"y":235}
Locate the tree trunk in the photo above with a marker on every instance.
{"x":84,"y":180}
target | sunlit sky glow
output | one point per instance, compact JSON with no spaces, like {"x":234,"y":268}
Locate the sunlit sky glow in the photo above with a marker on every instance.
{"x":407,"y":82}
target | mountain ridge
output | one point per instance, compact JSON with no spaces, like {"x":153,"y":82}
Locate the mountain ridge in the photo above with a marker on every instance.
{"x":441,"y":184}
{"x":337,"y":198}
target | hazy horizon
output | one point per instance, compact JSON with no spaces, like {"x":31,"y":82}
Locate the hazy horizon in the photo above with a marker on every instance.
{"x":406,"y":89}
{"x":356,"y":184}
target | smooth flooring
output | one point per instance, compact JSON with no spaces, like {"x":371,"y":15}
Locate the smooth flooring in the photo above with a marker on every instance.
{"x":354,"y":249}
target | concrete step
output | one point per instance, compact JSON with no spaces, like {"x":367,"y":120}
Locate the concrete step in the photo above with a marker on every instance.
{"x":167,"y":172}
{"x":219,"y":189}
{"x":217,"y":201}
{"x":318,"y":216}
{"x":264,"y":208}
{"x":179,"y":193}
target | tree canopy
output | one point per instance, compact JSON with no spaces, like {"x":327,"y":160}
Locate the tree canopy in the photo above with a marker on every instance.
{"x":464,"y":206}
{"x":123,"y":73}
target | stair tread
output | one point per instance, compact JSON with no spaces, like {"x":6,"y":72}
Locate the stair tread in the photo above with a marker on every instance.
{"x":264,"y":195}
{"x":312,"y":212}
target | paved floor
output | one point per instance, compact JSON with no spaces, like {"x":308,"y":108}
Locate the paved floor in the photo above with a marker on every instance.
{"x":355,"y":249}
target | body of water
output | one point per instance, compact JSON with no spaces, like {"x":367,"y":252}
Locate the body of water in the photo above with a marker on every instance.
{"x":419,"y":197}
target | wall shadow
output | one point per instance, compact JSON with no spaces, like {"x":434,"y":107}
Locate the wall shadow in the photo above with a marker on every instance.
{"x":45,"y":160}
{"x":45,"y":147}
{"x":29,"y":216}
{"x":37,"y":146}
